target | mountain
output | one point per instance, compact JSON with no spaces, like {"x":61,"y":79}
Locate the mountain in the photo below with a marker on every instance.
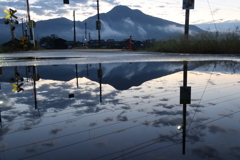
{"x":119,"y":23}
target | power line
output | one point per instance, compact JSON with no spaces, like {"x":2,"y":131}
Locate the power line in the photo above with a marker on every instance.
{"x":212,"y":15}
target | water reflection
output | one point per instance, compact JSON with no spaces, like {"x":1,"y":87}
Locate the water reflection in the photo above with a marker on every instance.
{"x":136,"y":116}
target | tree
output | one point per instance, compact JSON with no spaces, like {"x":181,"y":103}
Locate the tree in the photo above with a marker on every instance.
{"x":48,"y":41}
{"x":53,"y":42}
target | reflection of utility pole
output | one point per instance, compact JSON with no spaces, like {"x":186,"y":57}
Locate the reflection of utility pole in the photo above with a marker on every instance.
{"x":185,"y":98}
{"x":76,"y":66}
{"x":100,"y":80}
{"x":74,"y":28}
{"x":34,"y":87}
{"x":87,"y":70}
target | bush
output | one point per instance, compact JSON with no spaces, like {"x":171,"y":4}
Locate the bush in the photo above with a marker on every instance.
{"x":202,"y":42}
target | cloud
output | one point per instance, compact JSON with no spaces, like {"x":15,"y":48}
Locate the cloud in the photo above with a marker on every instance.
{"x":171,"y":29}
{"x":142,"y":32}
{"x":128,"y":21}
{"x":112,"y":2}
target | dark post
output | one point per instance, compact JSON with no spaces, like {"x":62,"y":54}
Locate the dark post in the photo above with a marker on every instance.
{"x":100,"y":80}
{"x":187,"y":23}
{"x":85,"y":32}
{"x":76,"y":66}
{"x":28,"y":14}
{"x":98,"y":25}
{"x":34,"y":87}
{"x":22,"y":28}
{"x":185,"y":68}
{"x":74,"y":28}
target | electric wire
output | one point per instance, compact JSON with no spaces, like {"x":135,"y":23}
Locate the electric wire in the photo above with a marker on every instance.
{"x":212,"y":16}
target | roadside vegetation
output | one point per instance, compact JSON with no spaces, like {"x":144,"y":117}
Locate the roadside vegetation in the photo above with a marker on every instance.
{"x":202,"y":42}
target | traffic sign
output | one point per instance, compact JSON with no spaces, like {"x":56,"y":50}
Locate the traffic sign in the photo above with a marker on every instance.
{"x":188,"y":4}
{"x":31,"y":24}
{"x":7,"y":16}
{"x":10,"y":13}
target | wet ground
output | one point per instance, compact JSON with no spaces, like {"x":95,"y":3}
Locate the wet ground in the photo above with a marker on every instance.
{"x":78,"y":104}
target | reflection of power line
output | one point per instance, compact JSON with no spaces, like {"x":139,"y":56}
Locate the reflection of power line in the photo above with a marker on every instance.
{"x":167,"y":138}
{"x":200,"y":99}
{"x":132,"y":146}
{"x":114,"y":132}
{"x":87,"y":130}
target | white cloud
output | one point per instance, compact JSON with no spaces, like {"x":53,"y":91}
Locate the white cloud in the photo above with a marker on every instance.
{"x":171,"y":29}
{"x":142,"y":32}
{"x":129,"y":21}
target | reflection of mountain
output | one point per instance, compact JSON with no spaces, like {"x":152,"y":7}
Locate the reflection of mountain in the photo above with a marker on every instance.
{"x":121,"y":76}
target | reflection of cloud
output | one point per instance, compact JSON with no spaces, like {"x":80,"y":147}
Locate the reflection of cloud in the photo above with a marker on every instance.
{"x":235,"y":151}
{"x":108,"y":119}
{"x":195,"y":136}
{"x":167,"y":122}
{"x":196,"y":105}
{"x":49,"y":144}
{"x":92,"y":124}
{"x":148,"y":97}
{"x":100,"y":144}
{"x":173,"y":113}
{"x":164,"y":99}
{"x":215,"y":129}
{"x":206,"y":152}
{"x":55,"y":131}
{"x":122,"y":118}
{"x":33,"y":148}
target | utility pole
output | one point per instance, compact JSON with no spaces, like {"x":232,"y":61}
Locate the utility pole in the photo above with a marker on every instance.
{"x":98,"y":25}
{"x":85,"y":31}
{"x":89,"y":36}
{"x":74,"y":28}
{"x":29,"y":19}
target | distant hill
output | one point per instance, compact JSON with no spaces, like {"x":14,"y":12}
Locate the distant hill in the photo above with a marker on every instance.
{"x":119,"y":23}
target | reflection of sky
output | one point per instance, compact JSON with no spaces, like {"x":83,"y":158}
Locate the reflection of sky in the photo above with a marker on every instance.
{"x":144,"y":116}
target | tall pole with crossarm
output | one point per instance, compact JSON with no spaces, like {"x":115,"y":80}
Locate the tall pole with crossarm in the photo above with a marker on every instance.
{"x":98,"y":25}
{"x":29,"y":19}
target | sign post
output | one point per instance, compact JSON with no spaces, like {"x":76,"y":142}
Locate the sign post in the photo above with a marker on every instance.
{"x":187,"y":5}
{"x":32,"y":24}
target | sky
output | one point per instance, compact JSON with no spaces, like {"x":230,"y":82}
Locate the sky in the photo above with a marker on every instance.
{"x":205,"y":11}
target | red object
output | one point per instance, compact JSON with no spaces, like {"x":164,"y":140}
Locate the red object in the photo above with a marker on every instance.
{"x":130,"y":43}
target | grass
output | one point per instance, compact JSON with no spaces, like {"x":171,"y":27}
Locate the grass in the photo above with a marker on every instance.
{"x":202,"y":42}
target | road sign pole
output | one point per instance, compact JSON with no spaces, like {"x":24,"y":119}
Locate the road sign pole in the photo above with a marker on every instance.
{"x":186,"y":32}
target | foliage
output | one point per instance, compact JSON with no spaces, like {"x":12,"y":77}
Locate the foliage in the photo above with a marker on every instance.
{"x":50,"y":40}
{"x":202,"y":42}
{"x":53,"y":42}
